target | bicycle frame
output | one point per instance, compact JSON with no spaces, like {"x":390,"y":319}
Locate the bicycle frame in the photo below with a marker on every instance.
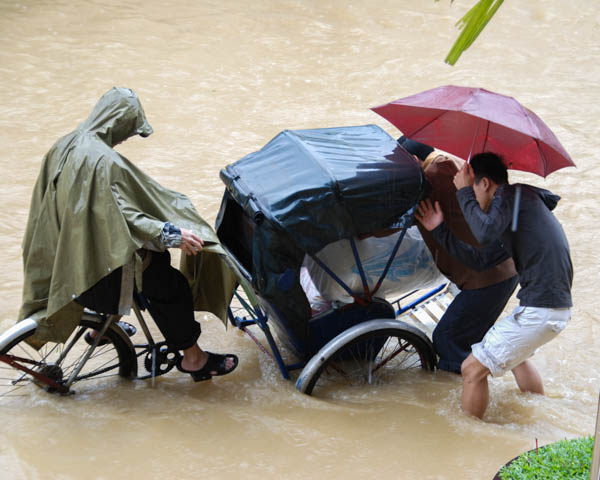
{"x":151,"y":347}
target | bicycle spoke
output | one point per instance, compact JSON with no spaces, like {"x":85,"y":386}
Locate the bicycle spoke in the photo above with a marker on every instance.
{"x":10,"y":392}
{"x":97,"y":371}
{"x":52,"y":366}
{"x":67,"y":369}
{"x":372,"y":358}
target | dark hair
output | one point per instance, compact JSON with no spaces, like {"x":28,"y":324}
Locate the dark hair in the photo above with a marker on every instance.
{"x":490,"y":165}
{"x":415,"y":148}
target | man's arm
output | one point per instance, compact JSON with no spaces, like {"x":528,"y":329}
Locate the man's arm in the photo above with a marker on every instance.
{"x":170,"y":236}
{"x":432,"y":218}
{"x":175,"y":237}
{"x":487,"y":227}
{"x":478,"y":259}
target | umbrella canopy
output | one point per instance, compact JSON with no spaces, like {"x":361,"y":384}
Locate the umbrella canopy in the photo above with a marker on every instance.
{"x":466,"y":121}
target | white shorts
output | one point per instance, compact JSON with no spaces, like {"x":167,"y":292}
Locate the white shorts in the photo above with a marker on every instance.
{"x":516,"y":337}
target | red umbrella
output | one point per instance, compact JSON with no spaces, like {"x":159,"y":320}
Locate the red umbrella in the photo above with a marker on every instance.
{"x":465,"y":121}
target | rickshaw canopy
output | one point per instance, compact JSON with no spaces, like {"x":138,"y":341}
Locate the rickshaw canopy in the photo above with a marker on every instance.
{"x":302,"y":191}
{"x":326,"y":184}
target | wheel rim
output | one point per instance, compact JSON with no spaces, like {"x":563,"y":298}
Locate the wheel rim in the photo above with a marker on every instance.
{"x":374,"y":358}
{"x":54,"y":364}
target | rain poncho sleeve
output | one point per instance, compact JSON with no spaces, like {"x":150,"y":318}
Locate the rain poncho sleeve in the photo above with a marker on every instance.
{"x":92,"y":210}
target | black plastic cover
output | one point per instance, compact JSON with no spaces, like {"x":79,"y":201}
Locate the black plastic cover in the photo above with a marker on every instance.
{"x":326,"y":184}
{"x":302,"y":191}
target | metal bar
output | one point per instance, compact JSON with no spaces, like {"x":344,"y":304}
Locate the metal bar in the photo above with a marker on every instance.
{"x":154,"y":352}
{"x":485,"y":138}
{"x":262,"y":323}
{"x":422,"y":298}
{"x":361,"y":271}
{"x":251,"y":310}
{"x":143,"y":324}
{"x":404,"y":296}
{"x":260,"y":319}
{"x":241,"y":322}
{"x":390,"y":260}
{"x":473,"y":142}
{"x":332,"y":275}
{"x":68,"y":347}
{"x":296,"y":366}
{"x":38,"y":376}
{"x":90,"y":350}
{"x":231,"y":317}
{"x":151,"y":343}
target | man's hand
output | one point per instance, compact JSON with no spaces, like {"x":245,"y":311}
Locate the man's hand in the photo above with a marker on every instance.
{"x":190,"y":242}
{"x":465,"y":177}
{"x":429,"y":216}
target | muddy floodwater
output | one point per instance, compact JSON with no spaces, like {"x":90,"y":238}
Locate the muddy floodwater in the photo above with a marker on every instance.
{"x":218,"y":80}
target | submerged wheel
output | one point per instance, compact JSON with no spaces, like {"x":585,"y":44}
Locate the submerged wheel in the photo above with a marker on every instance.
{"x":54,"y":363}
{"x":374,"y":352}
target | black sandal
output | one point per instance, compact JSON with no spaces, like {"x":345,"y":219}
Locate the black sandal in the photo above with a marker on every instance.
{"x":214,"y":367}
{"x":127,"y":327}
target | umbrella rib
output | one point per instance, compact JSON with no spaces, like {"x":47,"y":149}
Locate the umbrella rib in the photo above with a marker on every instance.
{"x":473,"y":143}
{"x":487,"y":131}
{"x":542,"y":156}
{"x":429,"y":123}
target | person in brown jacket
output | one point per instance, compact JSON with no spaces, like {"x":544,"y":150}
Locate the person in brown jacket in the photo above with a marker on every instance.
{"x":483,"y":295}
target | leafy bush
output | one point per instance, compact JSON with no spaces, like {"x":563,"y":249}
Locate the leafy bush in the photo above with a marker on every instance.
{"x":564,"y":460}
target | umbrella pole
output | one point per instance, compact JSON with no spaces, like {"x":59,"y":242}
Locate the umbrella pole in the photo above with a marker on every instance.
{"x":473,"y":142}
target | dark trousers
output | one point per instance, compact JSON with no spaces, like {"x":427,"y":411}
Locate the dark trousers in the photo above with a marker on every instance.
{"x":168,"y":295}
{"x":466,"y":321}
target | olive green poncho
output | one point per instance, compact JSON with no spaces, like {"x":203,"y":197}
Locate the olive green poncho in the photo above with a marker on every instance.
{"x":92,"y":209}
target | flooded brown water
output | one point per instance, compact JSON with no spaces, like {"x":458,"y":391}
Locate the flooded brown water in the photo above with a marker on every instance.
{"x":217,"y":81}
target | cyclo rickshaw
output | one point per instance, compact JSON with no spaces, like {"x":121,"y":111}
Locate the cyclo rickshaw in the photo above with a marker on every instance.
{"x":306,"y":194}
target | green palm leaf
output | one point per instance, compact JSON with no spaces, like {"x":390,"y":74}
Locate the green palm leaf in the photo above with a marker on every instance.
{"x":471,"y":25}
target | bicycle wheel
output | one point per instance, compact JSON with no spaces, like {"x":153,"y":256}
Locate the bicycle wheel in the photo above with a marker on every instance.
{"x":372,"y":353}
{"x":51,"y":367}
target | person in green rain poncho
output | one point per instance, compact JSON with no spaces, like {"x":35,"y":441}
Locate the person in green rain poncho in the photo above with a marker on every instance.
{"x":99,"y":228}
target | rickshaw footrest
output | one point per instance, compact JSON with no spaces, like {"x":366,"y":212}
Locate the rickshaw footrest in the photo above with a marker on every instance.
{"x":242,"y":322}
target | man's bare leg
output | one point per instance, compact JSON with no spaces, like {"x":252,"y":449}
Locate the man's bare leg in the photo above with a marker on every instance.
{"x":475,"y":393}
{"x":528,"y":379}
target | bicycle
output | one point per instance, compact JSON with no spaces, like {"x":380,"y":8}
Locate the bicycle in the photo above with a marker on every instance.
{"x":57,"y":368}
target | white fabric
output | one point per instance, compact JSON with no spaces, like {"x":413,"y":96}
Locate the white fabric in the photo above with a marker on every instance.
{"x":413,"y":268}
{"x":516,"y":337}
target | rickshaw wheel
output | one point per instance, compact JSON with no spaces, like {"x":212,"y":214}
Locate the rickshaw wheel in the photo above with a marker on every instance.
{"x":55,"y":362}
{"x":379,"y":355}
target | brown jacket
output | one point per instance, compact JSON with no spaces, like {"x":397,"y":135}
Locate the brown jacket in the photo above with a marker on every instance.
{"x":440,"y":173}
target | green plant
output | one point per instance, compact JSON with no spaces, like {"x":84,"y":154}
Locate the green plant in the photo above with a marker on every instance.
{"x":564,"y":460}
{"x":471,"y":25}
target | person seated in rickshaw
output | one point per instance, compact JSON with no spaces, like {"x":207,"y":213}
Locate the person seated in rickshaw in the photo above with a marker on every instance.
{"x":412,"y":268}
{"x":99,"y":229}
{"x":483,"y":294}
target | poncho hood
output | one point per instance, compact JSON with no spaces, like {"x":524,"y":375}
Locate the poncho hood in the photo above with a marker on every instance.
{"x":92,"y":210}
{"x":117,"y":116}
